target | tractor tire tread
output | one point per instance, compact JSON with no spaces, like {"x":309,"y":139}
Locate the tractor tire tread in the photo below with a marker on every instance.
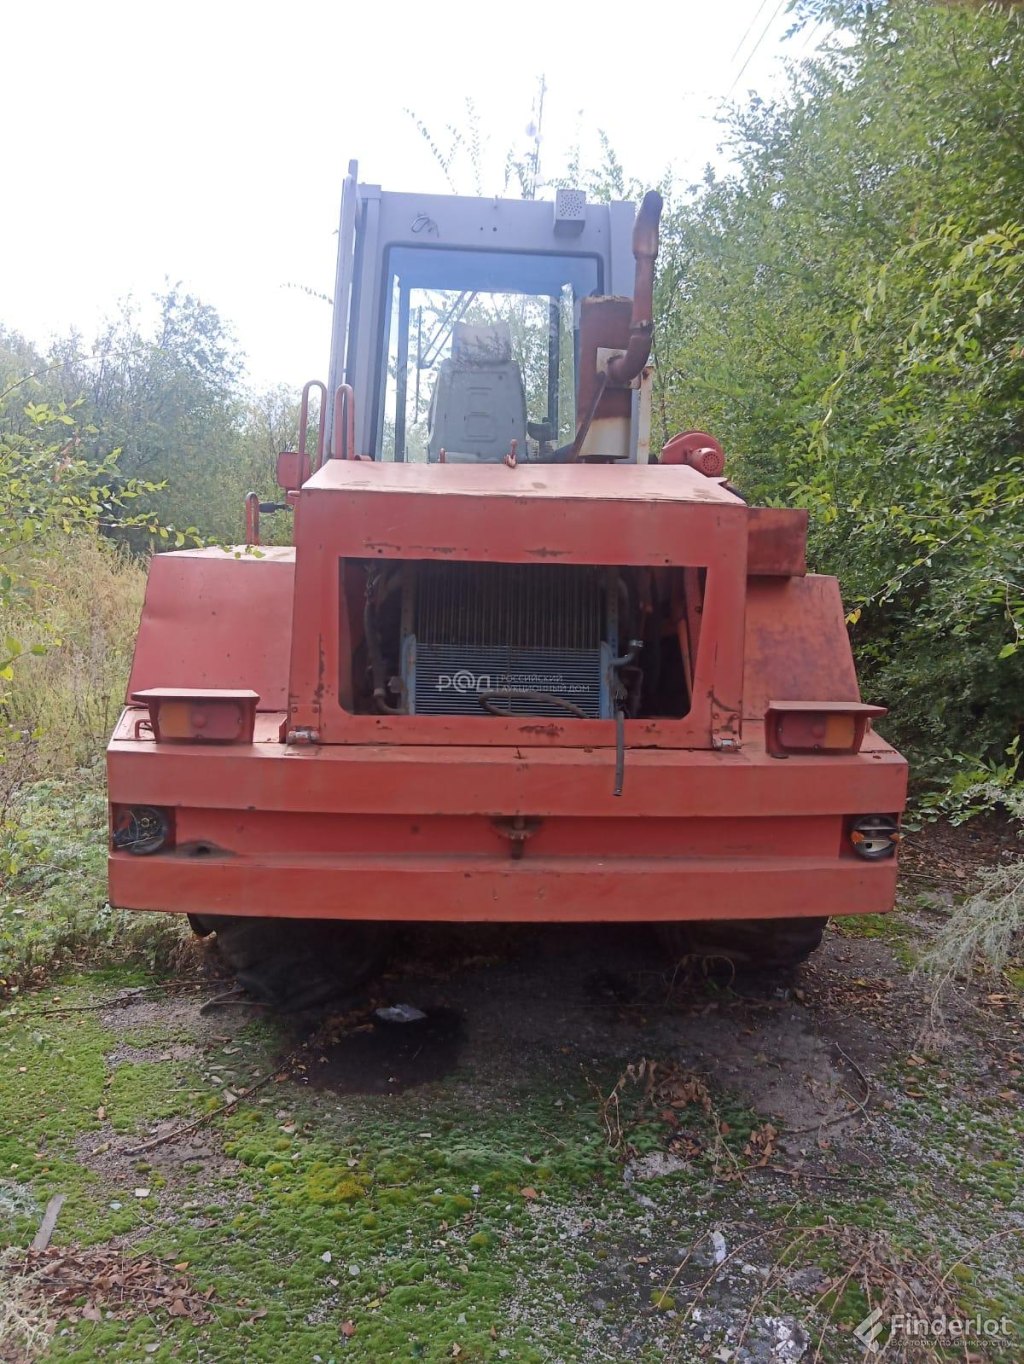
{"x":748,"y":945}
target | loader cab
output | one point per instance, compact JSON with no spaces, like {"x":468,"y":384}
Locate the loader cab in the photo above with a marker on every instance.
{"x":457,"y":320}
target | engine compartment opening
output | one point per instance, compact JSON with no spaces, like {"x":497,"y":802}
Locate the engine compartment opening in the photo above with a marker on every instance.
{"x":583,"y":641}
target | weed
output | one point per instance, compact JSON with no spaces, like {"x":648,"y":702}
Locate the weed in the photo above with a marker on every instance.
{"x":53,"y":898}
{"x":983,"y":931}
{"x":25,"y":1325}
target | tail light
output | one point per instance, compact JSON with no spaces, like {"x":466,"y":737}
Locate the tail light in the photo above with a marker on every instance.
{"x":817,"y":726}
{"x":874,"y":837}
{"x":181,"y":715}
{"x":140,"y":829}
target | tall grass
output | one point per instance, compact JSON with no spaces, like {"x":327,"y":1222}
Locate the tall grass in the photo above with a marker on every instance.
{"x":82,"y":607}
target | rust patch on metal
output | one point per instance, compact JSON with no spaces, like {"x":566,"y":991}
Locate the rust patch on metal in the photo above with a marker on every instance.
{"x":321,"y":670}
{"x":201,"y":847}
{"x":517,"y":830}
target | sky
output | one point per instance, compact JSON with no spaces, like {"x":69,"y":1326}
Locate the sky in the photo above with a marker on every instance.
{"x":206,"y":142}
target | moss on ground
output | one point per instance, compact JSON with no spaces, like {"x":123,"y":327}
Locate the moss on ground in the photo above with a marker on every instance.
{"x":892,"y":929}
{"x":417,"y":1234}
{"x":494,"y":1218}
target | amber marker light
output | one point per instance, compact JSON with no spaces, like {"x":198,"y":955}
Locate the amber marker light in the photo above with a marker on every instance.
{"x":212,"y":715}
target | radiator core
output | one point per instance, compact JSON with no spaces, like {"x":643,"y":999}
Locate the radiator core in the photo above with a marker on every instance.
{"x":528,"y":639}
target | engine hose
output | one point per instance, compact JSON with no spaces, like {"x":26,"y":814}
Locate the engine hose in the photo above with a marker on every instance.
{"x":620,"y":752}
{"x":378,"y":669}
{"x":635,"y":645}
{"x":380,"y":700}
{"x":488,"y":698}
{"x":620,"y":692}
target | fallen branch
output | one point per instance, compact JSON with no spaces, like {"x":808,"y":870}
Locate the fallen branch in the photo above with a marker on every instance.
{"x":279,"y":1070}
{"x":793,"y":1174}
{"x":239,"y":996}
{"x":860,"y":1104}
{"x":178,"y":1132}
{"x":121,"y":1001}
{"x":42,"y":1237}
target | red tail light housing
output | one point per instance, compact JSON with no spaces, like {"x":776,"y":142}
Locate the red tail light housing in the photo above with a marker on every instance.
{"x":832,"y":727}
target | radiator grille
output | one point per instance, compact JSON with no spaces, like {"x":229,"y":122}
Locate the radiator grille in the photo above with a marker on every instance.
{"x":529,"y":632}
{"x":536,"y":606}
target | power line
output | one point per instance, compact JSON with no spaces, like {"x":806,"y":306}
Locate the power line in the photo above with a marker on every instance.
{"x":753,"y":51}
{"x":746,"y":35}
{"x":812,"y":35}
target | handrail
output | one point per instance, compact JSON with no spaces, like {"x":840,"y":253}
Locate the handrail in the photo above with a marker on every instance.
{"x":304,"y":421}
{"x":344,"y":434}
{"x":252,"y":518}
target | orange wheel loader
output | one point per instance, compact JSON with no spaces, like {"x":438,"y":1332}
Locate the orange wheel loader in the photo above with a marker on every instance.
{"x":518,"y":664}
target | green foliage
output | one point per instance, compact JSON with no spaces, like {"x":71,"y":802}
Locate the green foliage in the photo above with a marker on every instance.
{"x":844,"y":311}
{"x":75,"y":618}
{"x":169,"y":398}
{"x":979,"y":785}
{"x":49,"y":487}
{"x":924,"y":405}
{"x":97,"y":453}
{"x":50,"y":494}
{"x":53,"y":883}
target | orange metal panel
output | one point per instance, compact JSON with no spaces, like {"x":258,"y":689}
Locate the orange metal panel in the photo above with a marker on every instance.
{"x":597,"y":514}
{"x":777,"y":541}
{"x":496,"y":486}
{"x":528,"y":514}
{"x":211,"y":620}
{"x":405,"y":816}
{"x":481,"y":890}
{"x":392,"y":832}
{"x":532,"y":781}
{"x":257,"y":833}
{"x":797,"y":647}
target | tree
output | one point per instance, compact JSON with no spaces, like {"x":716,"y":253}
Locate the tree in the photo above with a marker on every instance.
{"x":844,"y":311}
{"x":170,"y":400}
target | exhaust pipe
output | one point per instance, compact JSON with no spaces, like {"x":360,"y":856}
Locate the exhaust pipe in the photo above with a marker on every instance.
{"x":625,"y":368}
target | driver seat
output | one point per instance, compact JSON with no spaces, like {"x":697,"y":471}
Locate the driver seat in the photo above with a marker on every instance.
{"x":478,"y":406}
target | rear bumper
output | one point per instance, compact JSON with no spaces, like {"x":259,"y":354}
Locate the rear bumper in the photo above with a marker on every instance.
{"x":539,"y":890}
{"x":422,"y":833}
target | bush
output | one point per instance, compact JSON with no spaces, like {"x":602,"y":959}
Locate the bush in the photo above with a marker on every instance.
{"x":843,"y":310}
{"x":80,"y":607}
{"x":987,"y":929}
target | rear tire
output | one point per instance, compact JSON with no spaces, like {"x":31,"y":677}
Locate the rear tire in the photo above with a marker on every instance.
{"x":746,"y":945}
{"x":293,"y":964}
